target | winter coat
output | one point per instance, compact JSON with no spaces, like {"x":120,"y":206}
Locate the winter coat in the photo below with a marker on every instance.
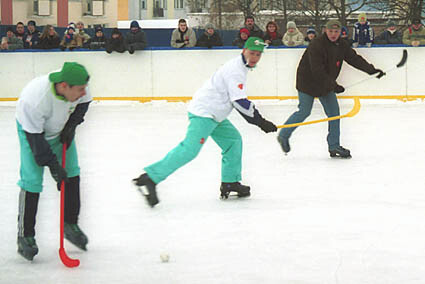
{"x":239,"y":42}
{"x":321,"y":63}
{"x":136,"y":40}
{"x":275,"y":42}
{"x":362,"y":34}
{"x":84,"y":38}
{"x":49,"y":42}
{"x":386,"y":37}
{"x":97,"y":42}
{"x":115,"y":44}
{"x":34,"y":38}
{"x":296,"y":37}
{"x":177,"y":38}
{"x":207,"y":40}
{"x":71,"y":41}
{"x":411,"y":34}
{"x":14,"y":43}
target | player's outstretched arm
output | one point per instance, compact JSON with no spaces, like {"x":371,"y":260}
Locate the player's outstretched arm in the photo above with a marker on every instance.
{"x":248,"y":111}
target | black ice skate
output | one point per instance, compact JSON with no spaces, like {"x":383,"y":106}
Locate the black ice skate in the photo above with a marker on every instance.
{"x":284,"y":144}
{"x":27,"y":247}
{"x":228,"y":187}
{"x":150,"y":189}
{"x":340,"y":152}
{"x":73,"y":233}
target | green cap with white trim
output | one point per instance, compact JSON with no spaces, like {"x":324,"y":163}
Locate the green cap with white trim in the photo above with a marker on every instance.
{"x":72,"y":73}
{"x":255,"y":43}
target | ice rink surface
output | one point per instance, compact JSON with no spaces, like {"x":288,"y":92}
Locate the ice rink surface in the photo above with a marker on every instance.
{"x":310,"y":219}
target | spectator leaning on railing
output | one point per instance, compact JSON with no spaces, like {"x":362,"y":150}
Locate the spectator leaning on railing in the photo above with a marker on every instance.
{"x":242,"y":37}
{"x":209,"y":38}
{"x":135,"y":39}
{"x":292,"y":37}
{"x":415,"y":34}
{"x":20,"y":30}
{"x":10,"y":41}
{"x":84,"y":37}
{"x":253,"y":29}
{"x":183,"y":36}
{"x":70,"y":40}
{"x":272,"y":35}
{"x":311,"y":34}
{"x":32,"y":37}
{"x":49,"y":38}
{"x":116,"y":42}
{"x":362,"y":32}
{"x":390,"y":35}
{"x":99,"y":40}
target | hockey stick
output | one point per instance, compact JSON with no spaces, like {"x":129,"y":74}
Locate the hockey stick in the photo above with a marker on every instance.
{"x":400,"y":64}
{"x":351,"y":113}
{"x":66,"y":260}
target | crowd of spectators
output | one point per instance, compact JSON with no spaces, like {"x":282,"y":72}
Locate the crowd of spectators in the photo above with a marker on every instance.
{"x":75,"y":36}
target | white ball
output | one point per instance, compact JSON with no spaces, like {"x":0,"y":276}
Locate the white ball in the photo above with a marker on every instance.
{"x":165,"y":257}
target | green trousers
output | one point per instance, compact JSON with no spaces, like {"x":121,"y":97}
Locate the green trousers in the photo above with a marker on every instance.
{"x":200,"y":128}
{"x":31,"y":174}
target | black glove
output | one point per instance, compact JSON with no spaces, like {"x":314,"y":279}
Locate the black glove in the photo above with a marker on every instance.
{"x":339,"y":89}
{"x":67,"y":135}
{"x":58,"y":173}
{"x":381,"y":73}
{"x":267,"y":126}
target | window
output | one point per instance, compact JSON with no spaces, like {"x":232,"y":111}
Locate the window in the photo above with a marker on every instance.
{"x":93,"y":7}
{"x":42,"y":7}
{"x":143,"y":4}
{"x":178,"y":4}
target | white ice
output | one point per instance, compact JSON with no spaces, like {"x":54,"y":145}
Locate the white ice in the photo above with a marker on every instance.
{"x":310,"y":219}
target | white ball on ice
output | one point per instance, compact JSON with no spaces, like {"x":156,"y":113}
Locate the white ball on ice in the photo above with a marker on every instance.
{"x":165,"y":257}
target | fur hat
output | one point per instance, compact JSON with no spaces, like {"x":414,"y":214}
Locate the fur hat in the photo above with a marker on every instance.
{"x":291,"y":24}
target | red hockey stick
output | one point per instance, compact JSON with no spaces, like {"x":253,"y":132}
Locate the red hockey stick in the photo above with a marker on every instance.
{"x":66,"y":260}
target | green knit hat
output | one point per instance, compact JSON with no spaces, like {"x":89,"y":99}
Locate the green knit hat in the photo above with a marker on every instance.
{"x":255,"y":43}
{"x":72,"y":73}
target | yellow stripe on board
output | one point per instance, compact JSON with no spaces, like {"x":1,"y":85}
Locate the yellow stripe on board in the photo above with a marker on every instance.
{"x":185,"y":99}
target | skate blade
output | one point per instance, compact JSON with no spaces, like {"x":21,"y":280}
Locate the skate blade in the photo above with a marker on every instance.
{"x":27,"y":256}
{"x":234,"y":196}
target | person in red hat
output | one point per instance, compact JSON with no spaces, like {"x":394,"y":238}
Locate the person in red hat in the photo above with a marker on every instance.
{"x":242,"y":37}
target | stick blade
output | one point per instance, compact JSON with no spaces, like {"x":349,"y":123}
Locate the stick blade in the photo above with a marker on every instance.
{"x":66,"y":260}
{"x":403,"y":59}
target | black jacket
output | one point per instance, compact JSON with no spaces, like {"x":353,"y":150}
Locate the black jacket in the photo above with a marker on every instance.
{"x":389,"y":38}
{"x":49,"y":42}
{"x":209,"y":41}
{"x":321,"y":63}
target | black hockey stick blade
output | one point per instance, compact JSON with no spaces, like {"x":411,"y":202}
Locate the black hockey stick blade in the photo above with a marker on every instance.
{"x":403,"y":59}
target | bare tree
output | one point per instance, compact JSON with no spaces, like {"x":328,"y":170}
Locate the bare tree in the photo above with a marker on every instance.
{"x":404,"y":10}
{"x":344,"y":9}
{"x":316,"y":12}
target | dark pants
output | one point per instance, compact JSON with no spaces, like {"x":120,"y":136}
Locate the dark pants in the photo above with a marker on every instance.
{"x":331,"y":107}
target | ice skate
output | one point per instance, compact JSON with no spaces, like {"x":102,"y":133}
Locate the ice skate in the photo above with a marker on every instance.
{"x":73,"y":233}
{"x":284,"y":144}
{"x":340,"y":152}
{"x":228,"y":187}
{"x":27,"y":247}
{"x":150,"y":189}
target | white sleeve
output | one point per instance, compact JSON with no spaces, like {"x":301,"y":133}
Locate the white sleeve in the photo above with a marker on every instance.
{"x":236,"y":87}
{"x":30,"y":117}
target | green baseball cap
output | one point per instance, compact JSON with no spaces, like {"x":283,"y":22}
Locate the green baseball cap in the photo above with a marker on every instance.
{"x":255,"y":43}
{"x":333,"y":24}
{"x":72,"y":73}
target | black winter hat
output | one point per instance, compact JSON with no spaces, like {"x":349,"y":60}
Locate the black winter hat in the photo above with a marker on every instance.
{"x":98,"y":29}
{"x":116,"y":31}
{"x":134,"y":24}
{"x":31,"y":23}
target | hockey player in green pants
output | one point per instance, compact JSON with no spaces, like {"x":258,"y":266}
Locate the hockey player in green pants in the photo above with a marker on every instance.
{"x":47,"y":113}
{"x":208,"y":112}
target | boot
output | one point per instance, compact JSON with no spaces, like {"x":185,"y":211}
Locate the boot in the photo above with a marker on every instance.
{"x":284,"y":144}
{"x":227,"y":187}
{"x":340,"y":152}
{"x":75,"y":235}
{"x":27,"y":247}
{"x":150,"y":192}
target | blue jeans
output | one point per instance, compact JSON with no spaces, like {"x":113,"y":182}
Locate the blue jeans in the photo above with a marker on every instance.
{"x":331,"y":107}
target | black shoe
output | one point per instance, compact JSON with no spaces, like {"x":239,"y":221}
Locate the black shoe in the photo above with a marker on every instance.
{"x":150,"y":192}
{"x":73,"y":233}
{"x":131,"y":50}
{"x":227,"y":187}
{"x":27,"y":247}
{"x":340,"y":152}
{"x":284,"y":144}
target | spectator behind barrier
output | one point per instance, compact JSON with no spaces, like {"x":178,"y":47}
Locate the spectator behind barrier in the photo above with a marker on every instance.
{"x":311,"y":34}
{"x":70,"y":40}
{"x":79,"y":32}
{"x":210,"y":37}
{"x":32,"y":37}
{"x":116,"y":42}
{"x":183,"y":36}
{"x":242,"y":37}
{"x":415,"y":34}
{"x":390,"y":35}
{"x":49,"y":39}
{"x":362,"y":32}
{"x":135,"y":39}
{"x":20,"y":31}
{"x":272,"y":35}
{"x":10,"y":41}
{"x":345,"y":35}
{"x":99,"y":40}
{"x":253,"y":29}
{"x":292,"y":37}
